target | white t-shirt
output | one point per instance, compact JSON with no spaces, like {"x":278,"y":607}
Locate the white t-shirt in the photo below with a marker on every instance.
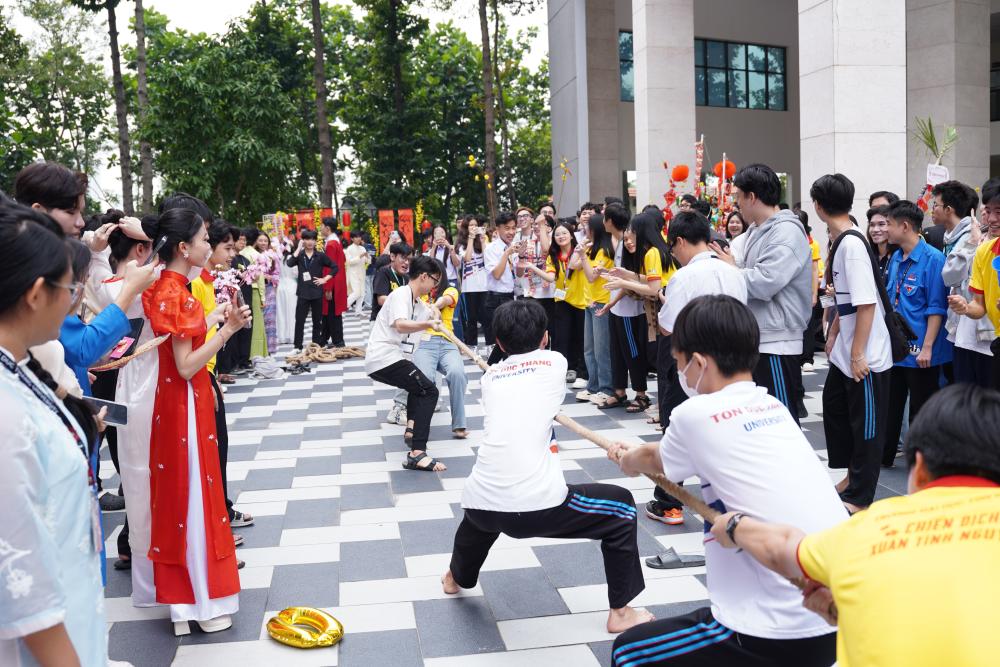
{"x":532,"y":285}
{"x":491,"y":257}
{"x":704,"y":274}
{"x":473,"y":271}
{"x":443,"y":255}
{"x":752,"y":457}
{"x":855,"y":286}
{"x":627,"y":306}
{"x":515,"y":470}
{"x":385,"y":342}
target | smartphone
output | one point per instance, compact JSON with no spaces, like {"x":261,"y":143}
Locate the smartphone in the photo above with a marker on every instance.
{"x":117,"y":412}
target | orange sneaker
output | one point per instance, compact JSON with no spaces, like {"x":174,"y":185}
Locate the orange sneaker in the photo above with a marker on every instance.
{"x":671,"y":517}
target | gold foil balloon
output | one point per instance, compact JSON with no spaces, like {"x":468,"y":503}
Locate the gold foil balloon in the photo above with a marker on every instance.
{"x":305,"y":627}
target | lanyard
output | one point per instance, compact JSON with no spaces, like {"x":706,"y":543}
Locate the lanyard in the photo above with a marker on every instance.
{"x":903,"y":268}
{"x":47,"y":400}
{"x":394,"y":276}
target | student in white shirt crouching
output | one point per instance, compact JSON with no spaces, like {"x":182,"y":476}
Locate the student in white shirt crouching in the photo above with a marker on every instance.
{"x":751,"y":457}
{"x":517,"y":486}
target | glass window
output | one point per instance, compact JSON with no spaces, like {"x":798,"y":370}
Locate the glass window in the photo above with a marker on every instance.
{"x":625,"y":67}
{"x":740,"y":76}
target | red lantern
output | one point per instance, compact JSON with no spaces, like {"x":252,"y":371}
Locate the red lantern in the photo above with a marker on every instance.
{"x":730,"y":169}
{"x":680,"y":173}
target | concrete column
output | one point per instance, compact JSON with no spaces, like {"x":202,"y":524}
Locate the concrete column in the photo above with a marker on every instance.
{"x":852,"y":92}
{"x":663,"y":51}
{"x":603,"y":92}
{"x":568,"y":87}
{"x":948,"y":79}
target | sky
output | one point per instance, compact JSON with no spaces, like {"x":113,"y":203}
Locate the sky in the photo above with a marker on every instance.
{"x":213,"y":16}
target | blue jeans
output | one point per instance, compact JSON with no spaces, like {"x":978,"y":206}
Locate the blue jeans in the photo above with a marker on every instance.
{"x":597,"y":350}
{"x":439,"y":355}
{"x":456,"y":319}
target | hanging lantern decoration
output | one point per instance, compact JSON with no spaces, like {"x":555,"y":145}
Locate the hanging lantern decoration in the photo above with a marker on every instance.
{"x":730,"y":169}
{"x":679,"y":173}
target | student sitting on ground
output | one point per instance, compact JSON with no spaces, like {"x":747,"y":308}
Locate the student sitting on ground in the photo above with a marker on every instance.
{"x":517,"y":486}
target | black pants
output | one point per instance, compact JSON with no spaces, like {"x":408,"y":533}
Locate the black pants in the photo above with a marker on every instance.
{"x":227,"y":359}
{"x":421,"y":397}
{"x":995,"y":366}
{"x":104,"y":387}
{"x":333,"y":327}
{"x":493,"y":301}
{"x":917,"y":383}
{"x":669,"y":395}
{"x":567,"y":335}
{"x":813,"y":335}
{"x":242,"y":339}
{"x":550,"y":314}
{"x":697,"y":639}
{"x":855,"y":416}
{"x":972,"y":367}
{"x":473,"y":315}
{"x":595,"y":511}
{"x":781,"y":374}
{"x":315,"y":308}
{"x":222,"y":437}
{"x":628,"y":352}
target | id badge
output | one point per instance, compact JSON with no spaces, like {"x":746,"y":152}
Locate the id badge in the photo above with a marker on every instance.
{"x":407,"y":348}
{"x":560,"y":295}
{"x":827,"y":301}
{"x":306,"y":276}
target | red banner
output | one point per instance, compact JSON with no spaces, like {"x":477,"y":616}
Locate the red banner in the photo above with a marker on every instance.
{"x":406,"y":224}
{"x":345,"y":225}
{"x":386,"y":223}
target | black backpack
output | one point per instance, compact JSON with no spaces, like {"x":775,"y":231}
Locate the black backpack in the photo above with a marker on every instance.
{"x":900,"y":332}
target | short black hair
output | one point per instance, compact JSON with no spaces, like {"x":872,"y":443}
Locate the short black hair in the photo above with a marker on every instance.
{"x":618,"y":215}
{"x":252,"y":233}
{"x":689,"y":198}
{"x":906,"y":211}
{"x":613,"y":200}
{"x":834,"y":192}
{"x":691,"y":226}
{"x":783,"y":206}
{"x":720,"y":327}
{"x":424,"y":264}
{"x":305,"y":235}
{"x":760,"y":180}
{"x":331,"y":224}
{"x":504,"y":217}
{"x":50,"y":184}
{"x":952,"y":442}
{"x":702,"y":206}
{"x":957,"y":195}
{"x":519,"y":326}
{"x":991,"y":192}
{"x":890,"y":197}
{"x":401,"y":248}
{"x":218,"y":232}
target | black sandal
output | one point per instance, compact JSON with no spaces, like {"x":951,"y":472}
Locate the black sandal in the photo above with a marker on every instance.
{"x":411,"y":463}
{"x":619,"y":401}
{"x":638,"y":404}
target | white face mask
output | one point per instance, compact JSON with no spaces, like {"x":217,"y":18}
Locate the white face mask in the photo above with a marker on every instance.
{"x":689,"y":390}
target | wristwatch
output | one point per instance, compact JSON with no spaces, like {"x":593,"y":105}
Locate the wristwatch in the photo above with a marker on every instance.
{"x":734,"y":521}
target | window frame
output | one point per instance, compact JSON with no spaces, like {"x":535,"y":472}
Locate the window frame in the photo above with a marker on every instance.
{"x":630,"y":60}
{"x":701,"y":45}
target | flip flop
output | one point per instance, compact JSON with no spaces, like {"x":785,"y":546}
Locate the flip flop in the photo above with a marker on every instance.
{"x":671,"y":560}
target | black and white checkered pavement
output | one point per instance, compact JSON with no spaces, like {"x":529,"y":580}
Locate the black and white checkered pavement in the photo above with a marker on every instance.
{"x":340,"y":525}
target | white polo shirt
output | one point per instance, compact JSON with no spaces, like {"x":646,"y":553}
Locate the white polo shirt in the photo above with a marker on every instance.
{"x":492,"y":256}
{"x":515,"y":469}
{"x":752,"y":457}
{"x":704,"y":274}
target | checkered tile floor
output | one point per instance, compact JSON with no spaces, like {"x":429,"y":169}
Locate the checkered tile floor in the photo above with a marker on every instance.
{"x":341,"y":526}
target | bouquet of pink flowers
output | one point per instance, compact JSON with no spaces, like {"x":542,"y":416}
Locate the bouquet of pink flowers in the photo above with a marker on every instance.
{"x":226,"y":284}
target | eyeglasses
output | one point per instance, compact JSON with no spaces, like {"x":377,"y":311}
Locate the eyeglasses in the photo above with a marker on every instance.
{"x":74,"y":288}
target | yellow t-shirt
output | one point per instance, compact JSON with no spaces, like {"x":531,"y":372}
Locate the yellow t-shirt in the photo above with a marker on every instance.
{"x":447,"y":313}
{"x":817,"y":257}
{"x":914,"y":577}
{"x":575,"y":285}
{"x":984,"y":279}
{"x":203,"y":289}
{"x":596,"y":291}
{"x":652,"y":268}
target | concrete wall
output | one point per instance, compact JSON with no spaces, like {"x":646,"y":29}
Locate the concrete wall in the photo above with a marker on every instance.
{"x":752,"y":135}
{"x":570,"y":137}
{"x":602,"y":100}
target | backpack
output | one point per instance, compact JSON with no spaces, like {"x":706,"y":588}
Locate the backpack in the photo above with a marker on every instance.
{"x":900,"y":333}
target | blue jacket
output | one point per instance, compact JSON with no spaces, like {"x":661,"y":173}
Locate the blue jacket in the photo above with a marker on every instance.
{"x":86,"y":343}
{"x":917,"y":291}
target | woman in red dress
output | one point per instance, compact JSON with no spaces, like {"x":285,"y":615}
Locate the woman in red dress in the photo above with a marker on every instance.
{"x":194,"y":559}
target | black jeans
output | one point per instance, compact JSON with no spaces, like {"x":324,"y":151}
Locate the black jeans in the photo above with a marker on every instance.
{"x":602,"y":512}
{"x":473,"y":316}
{"x":421,"y":397}
{"x":333,"y":327}
{"x":854,"y":423}
{"x":567,"y":335}
{"x":917,"y":383}
{"x":493,"y":301}
{"x":315,"y":308}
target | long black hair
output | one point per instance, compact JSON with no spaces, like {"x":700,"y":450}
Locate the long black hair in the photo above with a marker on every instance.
{"x":646,"y":227}
{"x":177,"y":225}
{"x":33,"y":246}
{"x":601,"y":239}
{"x":463,"y":233}
{"x":555,"y":250}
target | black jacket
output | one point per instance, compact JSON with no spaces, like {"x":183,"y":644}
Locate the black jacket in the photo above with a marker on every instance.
{"x":306,"y":289}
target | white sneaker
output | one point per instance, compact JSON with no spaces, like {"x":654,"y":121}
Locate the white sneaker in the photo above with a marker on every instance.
{"x":807,"y":367}
{"x":397,"y":415}
{"x":598,"y":398}
{"x":584,"y":396}
{"x":579,"y":383}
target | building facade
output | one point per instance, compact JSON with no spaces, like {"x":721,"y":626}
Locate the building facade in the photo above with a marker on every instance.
{"x":807,"y":86}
